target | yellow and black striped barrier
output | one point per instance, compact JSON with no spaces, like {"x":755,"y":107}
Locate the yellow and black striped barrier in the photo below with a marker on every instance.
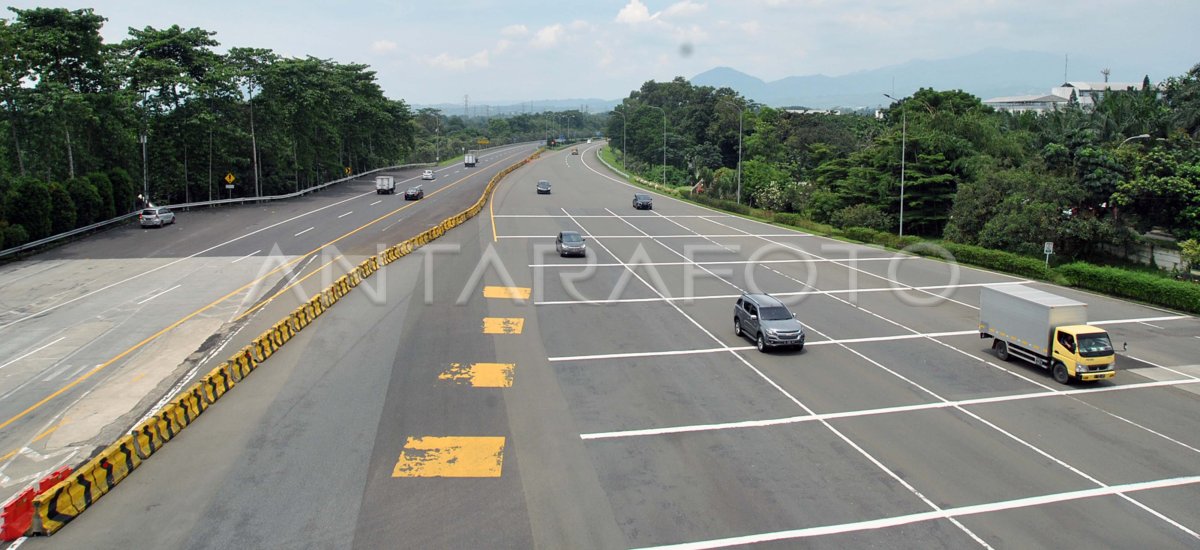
{"x":67,"y":499}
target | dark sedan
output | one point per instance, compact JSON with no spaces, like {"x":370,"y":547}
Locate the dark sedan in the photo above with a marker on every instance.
{"x":414,"y":193}
{"x":643,"y":201}
{"x":543,"y":187}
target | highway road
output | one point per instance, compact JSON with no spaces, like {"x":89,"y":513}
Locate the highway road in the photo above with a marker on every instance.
{"x":93,"y":334}
{"x":487,"y":393}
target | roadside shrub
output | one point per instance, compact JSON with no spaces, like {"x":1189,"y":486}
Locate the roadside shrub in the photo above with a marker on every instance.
{"x":15,"y":235}
{"x":722,"y":204}
{"x":863,"y":234}
{"x":1181,"y":295}
{"x":863,"y":215}
{"x":796,"y":220}
{"x":999,"y":260}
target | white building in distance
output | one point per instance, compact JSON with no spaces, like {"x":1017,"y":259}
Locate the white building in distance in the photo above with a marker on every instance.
{"x":1087,"y":93}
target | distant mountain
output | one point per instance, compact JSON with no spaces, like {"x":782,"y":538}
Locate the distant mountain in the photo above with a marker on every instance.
{"x":986,"y":74}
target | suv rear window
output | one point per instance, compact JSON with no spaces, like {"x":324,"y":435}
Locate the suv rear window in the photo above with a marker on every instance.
{"x":149,"y":212}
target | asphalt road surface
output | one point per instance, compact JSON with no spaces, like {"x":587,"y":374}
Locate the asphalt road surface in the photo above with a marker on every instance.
{"x":93,"y":334}
{"x":613,"y":406}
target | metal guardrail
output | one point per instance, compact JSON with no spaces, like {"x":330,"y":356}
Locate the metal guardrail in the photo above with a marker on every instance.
{"x":239,"y":200}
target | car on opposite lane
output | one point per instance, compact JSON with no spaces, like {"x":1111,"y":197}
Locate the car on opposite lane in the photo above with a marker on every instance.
{"x":427,"y":175}
{"x":643,"y":201}
{"x":156,"y":216}
{"x":766,"y":320}
{"x":543,"y":187}
{"x":570,"y":243}
{"x":414,"y":193}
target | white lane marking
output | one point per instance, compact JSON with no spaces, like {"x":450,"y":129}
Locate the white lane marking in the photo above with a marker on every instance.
{"x":744,"y":262}
{"x":846,"y":439}
{"x":374,"y":203}
{"x":393,"y":224}
{"x":673,"y":251}
{"x":166,"y":265}
{"x":948,"y":514}
{"x":346,"y":214}
{"x":669,"y":430}
{"x":159,"y":294}
{"x":1142,"y":320}
{"x":725,"y":297}
{"x":246,"y":256}
{"x":303,"y":232}
{"x":685,"y":236}
{"x":1152,"y":326}
{"x":639,"y":354}
{"x":1168,"y":369}
{"x":33,"y":352}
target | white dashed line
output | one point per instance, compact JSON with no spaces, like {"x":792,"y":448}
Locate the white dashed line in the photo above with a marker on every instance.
{"x":376,"y":202}
{"x":159,"y":294}
{"x":32,"y":352}
{"x":303,"y":232}
{"x":346,"y":214}
{"x":246,"y":256}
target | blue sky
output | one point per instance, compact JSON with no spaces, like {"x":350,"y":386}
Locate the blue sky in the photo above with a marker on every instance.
{"x":432,"y":52}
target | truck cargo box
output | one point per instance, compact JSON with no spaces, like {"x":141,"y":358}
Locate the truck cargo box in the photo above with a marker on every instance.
{"x":1026,"y":316}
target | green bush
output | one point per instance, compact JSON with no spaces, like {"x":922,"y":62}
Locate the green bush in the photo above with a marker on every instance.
{"x":1000,"y":260}
{"x":796,"y":220}
{"x":721,"y":204}
{"x":1144,"y":287}
{"x":864,"y":215}
{"x":861,"y":234}
{"x":15,"y":235}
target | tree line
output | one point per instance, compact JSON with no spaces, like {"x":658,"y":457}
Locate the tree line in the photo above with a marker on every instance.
{"x":1080,"y":176}
{"x":80,"y":116}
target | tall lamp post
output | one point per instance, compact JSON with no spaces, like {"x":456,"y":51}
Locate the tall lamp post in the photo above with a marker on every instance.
{"x":903,"y":147}
{"x":741,"y":113}
{"x":1129,"y":139}
{"x":145,"y":179}
{"x":623,"y":152}
{"x":664,"y":112}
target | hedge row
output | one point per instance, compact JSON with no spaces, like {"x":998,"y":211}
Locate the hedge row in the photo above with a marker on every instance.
{"x":1143,"y":287}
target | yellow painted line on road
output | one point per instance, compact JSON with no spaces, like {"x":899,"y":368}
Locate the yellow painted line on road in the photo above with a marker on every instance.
{"x":36,"y":439}
{"x":450,"y":457}
{"x":509,"y":292}
{"x":480,"y":375}
{"x":492,"y":215}
{"x":284,"y":289}
{"x":503,"y":325}
{"x":189,"y":316}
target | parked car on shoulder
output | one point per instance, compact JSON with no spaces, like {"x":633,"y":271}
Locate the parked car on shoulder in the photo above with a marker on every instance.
{"x":643,"y":201}
{"x":570,"y":243}
{"x":767,"y":321}
{"x":414,"y":193}
{"x":156,"y":216}
{"x":543,"y":187}
{"x":427,"y":175}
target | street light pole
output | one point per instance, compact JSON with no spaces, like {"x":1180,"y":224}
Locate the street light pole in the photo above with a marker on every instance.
{"x":1129,"y":139}
{"x":903,"y":154}
{"x":145,"y":178}
{"x":741,"y":116}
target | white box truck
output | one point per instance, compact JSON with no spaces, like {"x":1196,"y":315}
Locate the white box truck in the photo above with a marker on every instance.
{"x":385,"y":185}
{"x":1047,"y":330}
{"x":469,"y":159}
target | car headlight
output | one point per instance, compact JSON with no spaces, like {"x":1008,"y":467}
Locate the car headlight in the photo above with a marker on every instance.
{"x":771,"y":331}
{"x":1080,"y":367}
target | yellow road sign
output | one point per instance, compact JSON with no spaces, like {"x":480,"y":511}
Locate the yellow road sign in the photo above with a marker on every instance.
{"x":347,"y":170}
{"x":483,"y":141}
{"x":229,"y":177}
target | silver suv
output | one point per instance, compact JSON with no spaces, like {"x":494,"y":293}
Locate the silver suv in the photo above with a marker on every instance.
{"x":156,"y":217}
{"x":765,"y":319}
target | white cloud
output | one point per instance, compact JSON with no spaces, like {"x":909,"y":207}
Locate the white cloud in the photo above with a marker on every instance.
{"x":580,"y":25}
{"x":501,"y":47}
{"x":515,"y":30}
{"x":547,"y":37}
{"x":749,"y":27}
{"x":633,"y":13}
{"x":383,"y":46}
{"x":451,"y":63}
{"x":684,"y":8}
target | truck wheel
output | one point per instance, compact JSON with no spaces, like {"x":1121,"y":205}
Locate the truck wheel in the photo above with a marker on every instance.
{"x":737,"y":327}
{"x":1001,"y":349}
{"x":1060,"y":373}
{"x":762,"y":344}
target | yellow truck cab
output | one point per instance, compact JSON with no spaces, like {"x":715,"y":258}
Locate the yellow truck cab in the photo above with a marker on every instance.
{"x":1047,"y":330}
{"x":1085,"y":352}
